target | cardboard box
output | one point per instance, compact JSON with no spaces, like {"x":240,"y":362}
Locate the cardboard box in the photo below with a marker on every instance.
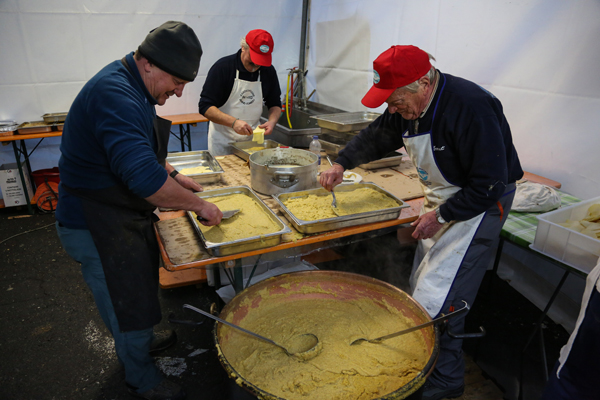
{"x":12,"y":187}
{"x":566,"y":245}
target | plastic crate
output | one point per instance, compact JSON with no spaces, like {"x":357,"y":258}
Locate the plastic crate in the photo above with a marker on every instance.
{"x":566,"y":245}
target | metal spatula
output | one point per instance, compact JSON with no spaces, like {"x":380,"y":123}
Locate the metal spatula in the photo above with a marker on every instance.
{"x":414,"y":328}
{"x":304,"y":346}
{"x":334,"y":204}
{"x":226,"y":215}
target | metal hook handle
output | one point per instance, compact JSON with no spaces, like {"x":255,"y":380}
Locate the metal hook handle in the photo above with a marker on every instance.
{"x":472,"y":335}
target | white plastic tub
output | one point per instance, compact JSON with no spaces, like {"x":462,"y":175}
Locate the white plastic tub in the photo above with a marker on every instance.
{"x":565,"y":245}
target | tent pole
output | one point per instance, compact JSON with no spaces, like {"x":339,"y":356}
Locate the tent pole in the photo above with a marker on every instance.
{"x":303,"y":48}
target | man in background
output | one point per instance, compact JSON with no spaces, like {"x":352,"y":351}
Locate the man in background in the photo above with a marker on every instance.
{"x":234,"y":91}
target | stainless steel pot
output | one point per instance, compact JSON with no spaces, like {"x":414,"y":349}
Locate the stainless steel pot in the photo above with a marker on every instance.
{"x":274,"y":171}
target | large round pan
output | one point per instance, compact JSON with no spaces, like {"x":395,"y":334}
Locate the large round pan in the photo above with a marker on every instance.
{"x":331,"y":284}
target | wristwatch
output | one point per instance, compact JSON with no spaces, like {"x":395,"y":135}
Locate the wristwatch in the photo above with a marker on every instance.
{"x":439,"y":216}
{"x":174,"y":173}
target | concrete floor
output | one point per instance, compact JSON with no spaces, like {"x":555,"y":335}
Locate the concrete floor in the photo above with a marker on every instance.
{"x":55,"y":346}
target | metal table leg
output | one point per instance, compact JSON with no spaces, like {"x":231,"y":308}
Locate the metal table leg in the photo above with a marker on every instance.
{"x":184,"y":137}
{"x":538,"y":329}
{"x":237,"y":277}
{"x":538,"y":325}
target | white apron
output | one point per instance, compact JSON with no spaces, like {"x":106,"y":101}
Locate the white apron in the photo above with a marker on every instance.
{"x":244,"y":102}
{"x":437,"y":259}
{"x":591,"y":283}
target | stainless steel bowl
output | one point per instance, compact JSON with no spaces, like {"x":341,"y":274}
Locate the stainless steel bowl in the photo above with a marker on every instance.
{"x":280,"y":170}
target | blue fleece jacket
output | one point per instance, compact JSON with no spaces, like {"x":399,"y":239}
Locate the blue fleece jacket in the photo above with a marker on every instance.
{"x":108,"y":138}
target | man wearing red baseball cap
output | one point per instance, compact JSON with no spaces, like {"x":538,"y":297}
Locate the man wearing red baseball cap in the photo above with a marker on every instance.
{"x":459,"y":140}
{"x":234,"y":91}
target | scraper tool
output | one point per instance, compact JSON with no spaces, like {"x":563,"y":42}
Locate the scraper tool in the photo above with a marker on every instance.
{"x":226,"y":215}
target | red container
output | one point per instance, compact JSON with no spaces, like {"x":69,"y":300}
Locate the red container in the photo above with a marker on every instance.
{"x":41,"y":175}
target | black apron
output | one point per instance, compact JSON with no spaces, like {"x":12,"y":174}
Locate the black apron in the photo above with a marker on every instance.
{"x":121,"y":226}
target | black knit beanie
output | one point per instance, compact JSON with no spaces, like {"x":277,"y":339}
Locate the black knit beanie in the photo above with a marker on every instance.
{"x":174,"y":48}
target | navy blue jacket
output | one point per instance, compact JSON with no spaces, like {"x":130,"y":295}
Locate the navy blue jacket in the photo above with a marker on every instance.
{"x":471,"y":139}
{"x":108,"y":138}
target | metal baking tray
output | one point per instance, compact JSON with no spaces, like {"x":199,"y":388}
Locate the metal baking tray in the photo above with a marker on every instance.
{"x":8,"y":126}
{"x":392,"y":159}
{"x":330,"y":224}
{"x":54,"y":118}
{"x":34,"y":127}
{"x":241,"y":245}
{"x":200,"y":158}
{"x":332,"y":144}
{"x":239,"y":148}
{"x":345,"y":122}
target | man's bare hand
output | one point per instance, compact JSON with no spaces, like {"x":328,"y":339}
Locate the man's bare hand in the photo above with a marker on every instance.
{"x":268,"y":127}
{"x":427,"y":226}
{"x":210,"y":213}
{"x":188,"y":183}
{"x":332,"y":177}
{"x":242,"y":128}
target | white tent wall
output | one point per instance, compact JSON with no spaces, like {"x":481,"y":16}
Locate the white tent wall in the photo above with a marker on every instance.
{"x":536,"y":56}
{"x":51,"y":48}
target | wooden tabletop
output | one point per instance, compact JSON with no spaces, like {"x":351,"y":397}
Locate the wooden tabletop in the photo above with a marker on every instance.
{"x":407,"y":215}
{"x":179,"y":119}
{"x":16,"y":136}
{"x":540,"y":179}
{"x":237,"y":173}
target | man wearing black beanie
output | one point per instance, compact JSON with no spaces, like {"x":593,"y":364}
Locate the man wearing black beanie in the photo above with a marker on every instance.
{"x":113,"y":175}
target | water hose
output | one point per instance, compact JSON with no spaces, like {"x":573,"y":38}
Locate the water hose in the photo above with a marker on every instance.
{"x":291,"y":89}
{"x":287,"y":99}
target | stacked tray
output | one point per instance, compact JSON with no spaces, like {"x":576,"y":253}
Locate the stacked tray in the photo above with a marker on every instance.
{"x":333,"y":144}
{"x":54,"y":118}
{"x":193,"y":159}
{"x":346,"y":122}
{"x":7,"y":127}
{"x":51,"y":122}
{"x":329,"y":224}
{"x":246,"y":244}
{"x":27,"y":128}
{"x":392,"y":159}
{"x":240,"y":149}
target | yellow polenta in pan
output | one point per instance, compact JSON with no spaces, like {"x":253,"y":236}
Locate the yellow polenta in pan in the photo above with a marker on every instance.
{"x":315,"y":207}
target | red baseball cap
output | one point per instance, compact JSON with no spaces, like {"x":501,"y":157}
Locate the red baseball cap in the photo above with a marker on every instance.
{"x":261,"y":47}
{"x":394,"y":68}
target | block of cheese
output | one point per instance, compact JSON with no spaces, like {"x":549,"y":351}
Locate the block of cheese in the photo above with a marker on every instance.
{"x":258,"y":135}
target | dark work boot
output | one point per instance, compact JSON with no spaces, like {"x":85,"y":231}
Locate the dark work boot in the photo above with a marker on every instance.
{"x":165,"y":390}
{"x":162,"y":341}
{"x":432,"y":392}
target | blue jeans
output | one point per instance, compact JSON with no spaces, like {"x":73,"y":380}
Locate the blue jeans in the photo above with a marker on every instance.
{"x":132,"y":347}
